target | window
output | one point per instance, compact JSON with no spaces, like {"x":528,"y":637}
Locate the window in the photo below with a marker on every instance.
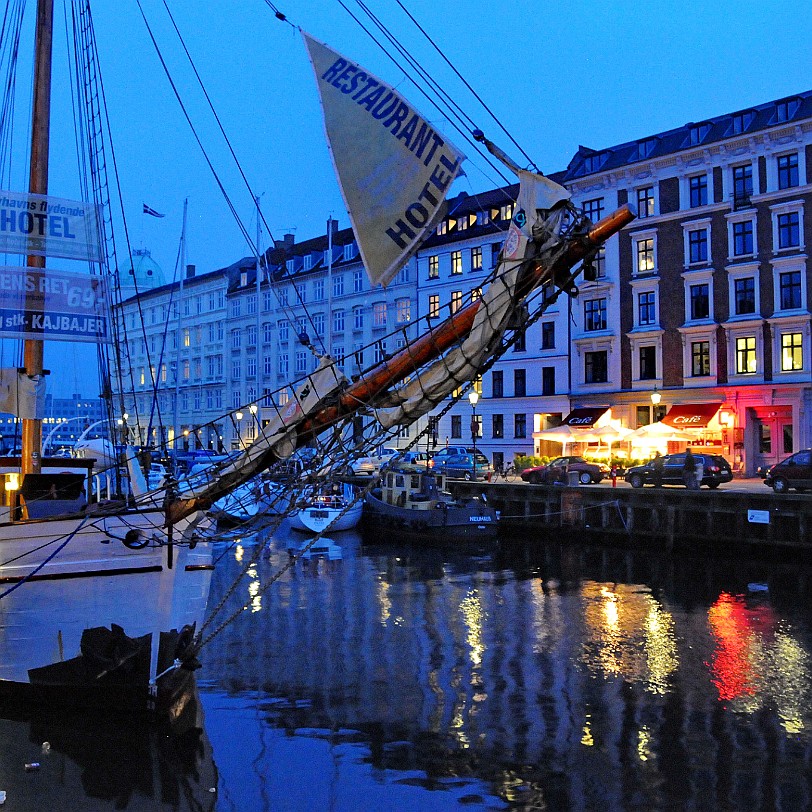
{"x":251,"y":336}
{"x":236,"y":339}
{"x":338,"y":285}
{"x":744,"y":292}
{"x":520,"y":425}
{"x":646,"y":309}
{"x":645,"y":255}
{"x":787,"y":170}
{"x":349,"y":251}
{"x":301,"y":292}
{"x":318,"y":290}
{"x":595,"y":314}
{"x":496,"y":247}
{"x":456,"y":300}
{"x":338,"y":321}
{"x":267,"y":332}
{"x":379,"y":353}
{"x":648,"y":363}
{"x":746,"y":355}
{"x":357,"y":281}
{"x":403,"y":310}
{"x":593,"y":209}
{"x":700,"y":301}
{"x":521,"y":343}
{"x":592,"y":163}
{"x":645,"y":201}
{"x":547,"y":335}
{"x":741,"y":122}
{"x":784,"y":111}
{"x":742,"y":185}
{"x":187,"y":337}
{"x":698,"y":191}
{"x":790,"y":290}
{"x":791,"y":352}
{"x":698,"y":246}
{"x":476,"y":259}
{"x":251,"y":366}
{"x":497,"y":384}
{"x":236,"y":370}
{"x":434,"y":267}
{"x":358,"y":318}
{"x":700,"y":358}
{"x":456,"y":426}
{"x":742,"y":238}
{"x":434,"y":306}
{"x":301,"y":362}
{"x":506,"y":212}
{"x":596,"y":367}
{"x":456,"y":262}
{"x":498,"y":426}
{"x":519,"y":383}
{"x":548,"y":380}
{"x":284,"y":330}
{"x":789,"y":230}
{"x":697,"y":133}
{"x":318,"y":324}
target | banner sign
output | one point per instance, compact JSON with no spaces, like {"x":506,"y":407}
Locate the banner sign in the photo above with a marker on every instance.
{"x":48,"y":227}
{"x":393,"y":167}
{"x":53,"y":304}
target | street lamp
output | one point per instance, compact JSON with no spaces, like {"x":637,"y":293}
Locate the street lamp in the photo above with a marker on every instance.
{"x":239,"y":416}
{"x":656,"y":397}
{"x":473,"y":399}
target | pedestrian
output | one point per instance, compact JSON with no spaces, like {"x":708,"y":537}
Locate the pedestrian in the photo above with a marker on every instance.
{"x":689,"y":471}
{"x":657,"y":467}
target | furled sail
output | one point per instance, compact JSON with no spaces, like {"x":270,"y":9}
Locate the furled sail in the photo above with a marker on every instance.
{"x":393,"y":167}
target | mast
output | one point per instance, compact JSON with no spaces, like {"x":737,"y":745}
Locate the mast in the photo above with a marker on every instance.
{"x":33,"y":349}
{"x":179,"y":341}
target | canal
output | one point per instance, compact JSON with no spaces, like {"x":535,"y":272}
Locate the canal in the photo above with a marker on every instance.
{"x":526,"y":675}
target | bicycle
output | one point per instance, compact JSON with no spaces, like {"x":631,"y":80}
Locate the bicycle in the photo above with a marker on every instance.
{"x":506,"y":472}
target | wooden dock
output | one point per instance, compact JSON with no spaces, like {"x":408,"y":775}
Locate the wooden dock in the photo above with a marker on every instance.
{"x":668,"y":518}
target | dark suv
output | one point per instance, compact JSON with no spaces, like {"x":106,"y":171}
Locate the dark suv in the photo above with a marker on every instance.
{"x":715,"y":471}
{"x":793,"y":472}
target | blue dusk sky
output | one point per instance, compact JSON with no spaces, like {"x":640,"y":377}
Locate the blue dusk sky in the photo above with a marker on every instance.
{"x":555,"y":76}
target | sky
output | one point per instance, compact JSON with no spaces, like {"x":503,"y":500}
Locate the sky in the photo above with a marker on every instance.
{"x":554,"y":75}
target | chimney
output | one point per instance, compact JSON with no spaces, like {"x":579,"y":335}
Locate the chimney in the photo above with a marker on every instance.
{"x":190,"y":271}
{"x":332,"y":226}
{"x":286,"y":244}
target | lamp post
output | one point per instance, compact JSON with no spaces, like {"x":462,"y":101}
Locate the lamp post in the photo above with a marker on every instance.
{"x":239,"y":417}
{"x":473,"y":399}
{"x":656,"y":397}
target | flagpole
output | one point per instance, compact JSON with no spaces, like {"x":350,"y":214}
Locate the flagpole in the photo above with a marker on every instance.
{"x":179,"y":342}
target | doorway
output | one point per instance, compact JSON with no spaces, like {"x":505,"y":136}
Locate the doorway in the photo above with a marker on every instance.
{"x":773,"y":435}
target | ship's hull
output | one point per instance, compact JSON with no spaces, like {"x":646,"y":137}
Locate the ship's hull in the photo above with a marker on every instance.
{"x":82,"y":613}
{"x":445,"y":522}
{"x":317,"y":519}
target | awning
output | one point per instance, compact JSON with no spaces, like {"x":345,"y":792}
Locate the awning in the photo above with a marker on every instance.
{"x":584,"y":418}
{"x":691,"y":415}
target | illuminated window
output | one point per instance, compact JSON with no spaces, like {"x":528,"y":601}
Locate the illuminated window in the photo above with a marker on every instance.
{"x":434,"y":267}
{"x":434,"y":306}
{"x":456,"y":300}
{"x":403,"y":310}
{"x":379,"y":314}
{"x":645,"y":255}
{"x":456,"y":262}
{"x":792,"y":357}
{"x":476,"y":259}
{"x":746,"y":363}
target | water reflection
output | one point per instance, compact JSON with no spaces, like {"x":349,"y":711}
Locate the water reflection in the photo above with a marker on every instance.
{"x":535,"y":676}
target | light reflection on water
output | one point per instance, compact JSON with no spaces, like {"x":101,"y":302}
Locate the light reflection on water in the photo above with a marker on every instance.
{"x":533,"y":677}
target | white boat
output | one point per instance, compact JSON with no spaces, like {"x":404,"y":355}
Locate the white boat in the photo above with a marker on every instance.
{"x":330,"y":506}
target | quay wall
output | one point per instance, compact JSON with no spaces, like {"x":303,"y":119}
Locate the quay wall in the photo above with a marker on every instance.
{"x":667,"y":518}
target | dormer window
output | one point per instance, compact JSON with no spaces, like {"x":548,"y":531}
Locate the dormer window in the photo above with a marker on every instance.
{"x":308,"y":262}
{"x":349,"y":251}
{"x":243,"y":278}
{"x":442,"y":228}
{"x":741,"y":122}
{"x":592,"y":163}
{"x":290,"y":265}
{"x":697,"y":133}
{"x":785,"y":110}
{"x":645,"y":148}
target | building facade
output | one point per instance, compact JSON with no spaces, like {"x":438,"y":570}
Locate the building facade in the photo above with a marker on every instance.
{"x":702,"y":302}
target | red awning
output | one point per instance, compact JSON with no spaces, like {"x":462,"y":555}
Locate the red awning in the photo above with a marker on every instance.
{"x":584,"y":418}
{"x":691,"y":415}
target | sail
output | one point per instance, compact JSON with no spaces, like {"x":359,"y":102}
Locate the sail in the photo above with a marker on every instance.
{"x":392,"y":166}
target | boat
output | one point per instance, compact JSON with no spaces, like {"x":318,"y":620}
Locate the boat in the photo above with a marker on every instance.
{"x":412,"y":501}
{"x":100,"y":597}
{"x":331,"y":505}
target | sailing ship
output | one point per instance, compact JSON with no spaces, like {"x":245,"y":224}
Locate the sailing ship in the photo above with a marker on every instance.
{"x":102,"y":599}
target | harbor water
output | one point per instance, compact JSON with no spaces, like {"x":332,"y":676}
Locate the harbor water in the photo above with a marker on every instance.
{"x":520,"y":675}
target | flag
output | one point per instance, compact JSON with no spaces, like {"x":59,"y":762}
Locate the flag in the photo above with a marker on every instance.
{"x":150,"y":210}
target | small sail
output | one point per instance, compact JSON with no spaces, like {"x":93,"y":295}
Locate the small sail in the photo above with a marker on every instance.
{"x":393,"y":167}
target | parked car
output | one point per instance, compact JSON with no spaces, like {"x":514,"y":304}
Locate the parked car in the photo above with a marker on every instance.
{"x":793,"y":472}
{"x":715,"y":470}
{"x":410,"y":458}
{"x":588,"y":472}
{"x":461,"y":466}
{"x":383,"y":456}
{"x":362,"y":466}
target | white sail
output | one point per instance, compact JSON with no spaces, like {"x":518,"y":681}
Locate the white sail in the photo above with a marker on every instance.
{"x":393,"y":167}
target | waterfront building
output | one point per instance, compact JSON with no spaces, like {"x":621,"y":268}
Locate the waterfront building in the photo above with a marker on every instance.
{"x":698,"y":312}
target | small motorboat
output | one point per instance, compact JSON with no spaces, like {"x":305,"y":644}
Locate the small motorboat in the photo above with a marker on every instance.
{"x":333,"y":505}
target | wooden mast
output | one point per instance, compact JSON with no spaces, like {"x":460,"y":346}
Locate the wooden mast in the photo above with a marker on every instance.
{"x":33,"y":354}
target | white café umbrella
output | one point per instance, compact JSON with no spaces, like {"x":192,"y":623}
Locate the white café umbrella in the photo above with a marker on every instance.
{"x":659,"y":432}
